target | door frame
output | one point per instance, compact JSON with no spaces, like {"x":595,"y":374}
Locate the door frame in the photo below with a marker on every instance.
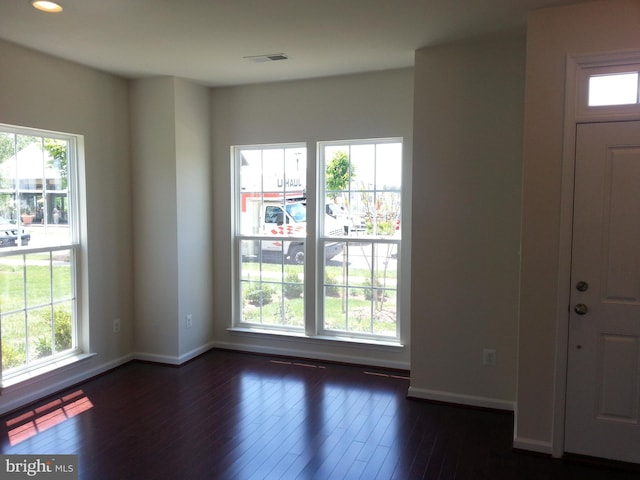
{"x":578,"y":69}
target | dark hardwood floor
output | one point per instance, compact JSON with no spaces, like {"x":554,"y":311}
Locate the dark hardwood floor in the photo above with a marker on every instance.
{"x":229,"y":415}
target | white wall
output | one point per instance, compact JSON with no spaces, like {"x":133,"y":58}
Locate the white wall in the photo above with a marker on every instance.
{"x":349,"y":107}
{"x":172,"y":212}
{"x":553,"y":34}
{"x":194,"y":213}
{"x":47,"y":93}
{"x":466,"y":203}
{"x":154,"y":209}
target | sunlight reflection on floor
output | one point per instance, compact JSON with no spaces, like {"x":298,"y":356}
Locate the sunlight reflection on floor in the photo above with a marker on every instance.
{"x":40,"y":419}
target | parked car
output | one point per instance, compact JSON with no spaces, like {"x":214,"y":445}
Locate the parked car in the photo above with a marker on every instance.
{"x":10,"y":233}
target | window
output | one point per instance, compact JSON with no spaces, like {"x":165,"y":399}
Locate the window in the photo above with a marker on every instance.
{"x":361,"y":188}
{"x":357,"y":224}
{"x":38,"y":246}
{"x":613,"y":89}
{"x":604,"y":87}
{"x":271,"y":235}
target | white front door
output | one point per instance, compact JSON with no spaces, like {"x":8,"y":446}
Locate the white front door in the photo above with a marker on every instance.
{"x":603,"y":378}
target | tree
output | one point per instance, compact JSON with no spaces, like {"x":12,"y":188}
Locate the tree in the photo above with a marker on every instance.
{"x":10,"y":144}
{"x":58,"y":151}
{"x":7,"y":146}
{"x":339,"y":173}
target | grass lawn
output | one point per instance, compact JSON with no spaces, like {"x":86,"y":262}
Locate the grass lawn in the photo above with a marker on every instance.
{"x":264,"y":282}
{"x":358,"y":314}
{"x":17,"y":323}
{"x":252,"y":270}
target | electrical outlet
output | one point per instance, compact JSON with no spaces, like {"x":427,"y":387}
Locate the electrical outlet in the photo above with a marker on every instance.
{"x":189,"y":321}
{"x":116,"y":325}
{"x":489,"y":357}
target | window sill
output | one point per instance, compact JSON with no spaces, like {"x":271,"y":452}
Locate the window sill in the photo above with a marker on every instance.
{"x":365,"y":342}
{"x":35,"y":373}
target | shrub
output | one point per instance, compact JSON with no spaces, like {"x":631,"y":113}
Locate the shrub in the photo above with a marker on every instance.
{"x":292,"y":289}
{"x":43,"y":347}
{"x":259,"y":294}
{"x":368,"y":292}
{"x":13,"y":356}
{"x":62,"y":330}
{"x":330,"y":287}
{"x":385,"y":227}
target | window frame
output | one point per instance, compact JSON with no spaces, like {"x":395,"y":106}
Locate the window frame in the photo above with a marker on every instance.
{"x":582,"y":67}
{"x":238,"y":320}
{"x":73,"y":245}
{"x":323,"y":238}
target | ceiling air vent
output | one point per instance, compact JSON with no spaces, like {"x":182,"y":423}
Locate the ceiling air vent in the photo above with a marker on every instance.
{"x":272,"y":57}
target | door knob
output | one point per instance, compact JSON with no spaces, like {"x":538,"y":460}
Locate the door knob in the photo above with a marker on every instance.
{"x":581,"y":309}
{"x":582,"y":286}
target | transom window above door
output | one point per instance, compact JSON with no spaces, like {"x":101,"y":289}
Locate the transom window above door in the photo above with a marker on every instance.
{"x":604,"y":87}
{"x":613,"y":89}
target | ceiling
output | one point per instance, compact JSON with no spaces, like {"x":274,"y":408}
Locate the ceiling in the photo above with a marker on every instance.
{"x":206,"y":40}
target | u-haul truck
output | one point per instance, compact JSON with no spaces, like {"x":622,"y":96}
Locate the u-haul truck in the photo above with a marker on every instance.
{"x":280,"y":220}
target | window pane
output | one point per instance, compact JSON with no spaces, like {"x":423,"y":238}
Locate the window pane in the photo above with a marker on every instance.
{"x":30,"y":162}
{"x":8,"y":204}
{"x":63,"y":327}
{"x":11,"y":283}
{"x":335,"y":310}
{"x":14,"y":340}
{"x":363,"y":164}
{"x":39,"y":333}
{"x":8,"y":167}
{"x":614,"y":89}
{"x":38,"y":278}
{"x":61,"y":275}
{"x":381,"y":213}
{"x":359,"y":315}
{"x":389,"y":166}
{"x":46,"y":335}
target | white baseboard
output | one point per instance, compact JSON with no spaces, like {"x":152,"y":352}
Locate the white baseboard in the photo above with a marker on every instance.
{"x":533,"y":445}
{"x":185,"y":357}
{"x":22,"y":394}
{"x":155,"y":358}
{"x":324,"y":356}
{"x":170,"y":359}
{"x":19,"y":398}
{"x":460,"y":399}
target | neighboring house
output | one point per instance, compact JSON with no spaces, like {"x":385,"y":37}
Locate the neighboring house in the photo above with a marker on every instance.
{"x":34,"y":170}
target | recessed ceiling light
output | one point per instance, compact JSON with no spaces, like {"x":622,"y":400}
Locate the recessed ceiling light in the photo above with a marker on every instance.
{"x":46,"y":6}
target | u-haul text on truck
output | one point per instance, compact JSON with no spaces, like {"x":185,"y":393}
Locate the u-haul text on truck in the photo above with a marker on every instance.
{"x":278,"y":214}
